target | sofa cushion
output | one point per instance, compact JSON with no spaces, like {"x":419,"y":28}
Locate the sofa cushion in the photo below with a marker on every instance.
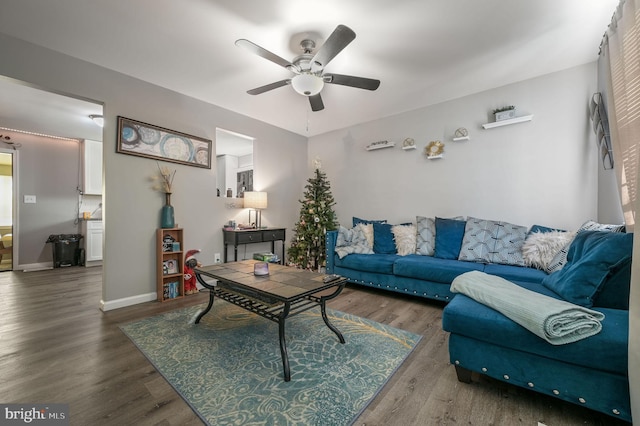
{"x":615,"y":291}
{"x":543,"y":229}
{"x":540,"y":248}
{"x":432,"y":268}
{"x":508,"y":249}
{"x":357,"y":220}
{"x":491,"y":241}
{"x":351,"y":241}
{"x":383,"y":239}
{"x":449,"y":233}
{"x":516,"y":273}
{"x":606,"y":350}
{"x":425,"y":236}
{"x":478,"y":240}
{"x":379,"y":263}
{"x":560,"y":259}
{"x":404,"y":237}
{"x":592,"y":257}
{"x":592,"y":225}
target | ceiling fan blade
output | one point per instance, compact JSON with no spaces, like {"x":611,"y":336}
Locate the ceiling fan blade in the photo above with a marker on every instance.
{"x":316,"y":103}
{"x":338,"y":40}
{"x":260,"y":51}
{"x":268,"y":87}
{"x":349,"y":80}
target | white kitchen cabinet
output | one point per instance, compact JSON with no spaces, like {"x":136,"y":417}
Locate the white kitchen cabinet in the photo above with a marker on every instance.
{"x":93,"y":236}
{"x":92,"y":167}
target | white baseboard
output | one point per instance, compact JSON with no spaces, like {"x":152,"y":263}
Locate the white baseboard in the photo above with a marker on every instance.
{"x":127,"y":301}
{"x":30,"y":267}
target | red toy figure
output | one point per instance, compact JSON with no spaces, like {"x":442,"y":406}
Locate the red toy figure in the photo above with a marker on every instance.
{"x":190,"y":262}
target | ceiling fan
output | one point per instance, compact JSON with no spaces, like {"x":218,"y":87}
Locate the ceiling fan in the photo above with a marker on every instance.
{"x":309,"y":78}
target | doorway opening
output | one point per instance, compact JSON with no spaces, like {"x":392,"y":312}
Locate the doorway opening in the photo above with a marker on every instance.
{"x":7,"y":205}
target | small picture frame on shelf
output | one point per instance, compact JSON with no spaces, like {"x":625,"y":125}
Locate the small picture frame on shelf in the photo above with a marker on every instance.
{"x":169,"y":266}
{"x":167,"y":243}
{"x":175,"y":246}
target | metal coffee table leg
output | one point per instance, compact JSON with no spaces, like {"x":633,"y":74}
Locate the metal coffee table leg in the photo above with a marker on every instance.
{"x":323,"y":309}
{"x":283,"y":343}
{"x":208,"y":308}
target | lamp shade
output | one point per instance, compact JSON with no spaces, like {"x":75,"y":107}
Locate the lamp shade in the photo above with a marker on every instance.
{"x":307,"y":84}
{"x":255,"y":200}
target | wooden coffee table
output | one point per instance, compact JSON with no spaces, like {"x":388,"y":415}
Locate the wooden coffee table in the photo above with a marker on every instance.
{"x":285,"y":292}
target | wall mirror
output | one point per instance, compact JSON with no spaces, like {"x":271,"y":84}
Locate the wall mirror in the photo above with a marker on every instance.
{"x":234,"y":163}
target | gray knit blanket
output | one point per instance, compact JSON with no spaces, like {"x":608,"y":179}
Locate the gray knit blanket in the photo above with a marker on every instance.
{"x":556,"y":321}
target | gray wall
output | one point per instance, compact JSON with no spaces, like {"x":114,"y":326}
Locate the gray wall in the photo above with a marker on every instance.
{"x":49,"y":169}
{"x":131,"y":207}
{"x":539,"y":172}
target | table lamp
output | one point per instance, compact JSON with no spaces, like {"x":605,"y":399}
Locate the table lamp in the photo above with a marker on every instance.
{"x":256,"y":200}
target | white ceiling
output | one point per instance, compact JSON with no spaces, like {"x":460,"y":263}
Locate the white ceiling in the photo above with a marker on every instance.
{"x":423,"y":51}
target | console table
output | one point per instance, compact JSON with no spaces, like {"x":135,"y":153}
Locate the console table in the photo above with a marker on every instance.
{"x":238,"y":237}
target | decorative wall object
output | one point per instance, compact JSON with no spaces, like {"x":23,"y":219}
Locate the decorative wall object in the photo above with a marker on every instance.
{"x":408,"y":144}
{"x":434,"y":150}
{"x":505,"y":113}
{"x":380,"y":145}
{"x":461,"y":134}
{"x":601,"y":129}
{"x":147,"y":140}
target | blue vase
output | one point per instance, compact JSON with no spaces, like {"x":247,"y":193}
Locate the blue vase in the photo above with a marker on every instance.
{"x":166,"y":214}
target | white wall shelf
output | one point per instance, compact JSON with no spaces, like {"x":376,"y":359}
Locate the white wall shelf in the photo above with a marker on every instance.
{"x":380,"y":145}
{"x":461,"y":138}
{"x":521,"y":119}
{"x":435,"y":157}
{"x":410,"y":147}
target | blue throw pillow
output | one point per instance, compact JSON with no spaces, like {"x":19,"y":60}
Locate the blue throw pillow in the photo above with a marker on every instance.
{"x":383,"y":241}
{"x":357,"y":220}
{"x":592,"y":258}
{"x":543,"y":229}
{"x":449,"y":234}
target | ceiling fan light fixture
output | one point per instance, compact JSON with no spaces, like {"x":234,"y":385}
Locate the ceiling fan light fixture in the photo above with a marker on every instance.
{"x":307,"y":84}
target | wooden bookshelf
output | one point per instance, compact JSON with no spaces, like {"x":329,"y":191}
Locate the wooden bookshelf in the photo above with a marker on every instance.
{"x":170,"y":264}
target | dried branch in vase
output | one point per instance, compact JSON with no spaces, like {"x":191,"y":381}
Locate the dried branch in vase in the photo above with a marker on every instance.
{"x":165,"y":179}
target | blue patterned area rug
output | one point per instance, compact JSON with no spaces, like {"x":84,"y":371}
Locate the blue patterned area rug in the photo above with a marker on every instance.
{"x":229,"y":370}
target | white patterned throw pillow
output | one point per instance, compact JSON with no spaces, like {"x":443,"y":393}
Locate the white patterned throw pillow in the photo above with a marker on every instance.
{"x":352,"y":241}
{"x":490,"y":241}
{"x":592,"y":225}
{"x":425,"y":236}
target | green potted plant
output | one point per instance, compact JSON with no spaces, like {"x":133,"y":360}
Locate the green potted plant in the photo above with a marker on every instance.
{"x":505,"y":113}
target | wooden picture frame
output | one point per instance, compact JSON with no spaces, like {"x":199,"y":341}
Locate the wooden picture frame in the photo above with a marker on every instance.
{"x":146,"y":140}
{"x":169,"y":266}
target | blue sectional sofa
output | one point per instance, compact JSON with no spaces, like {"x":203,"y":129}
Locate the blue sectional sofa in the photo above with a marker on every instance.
{"x":419,"y":275}
{"x":596,"y":274}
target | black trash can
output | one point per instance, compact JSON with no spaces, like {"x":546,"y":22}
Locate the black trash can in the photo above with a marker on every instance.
{"x":66,"y":249}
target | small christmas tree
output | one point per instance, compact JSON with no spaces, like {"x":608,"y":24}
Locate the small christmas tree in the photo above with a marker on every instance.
{"x":308,"y":245}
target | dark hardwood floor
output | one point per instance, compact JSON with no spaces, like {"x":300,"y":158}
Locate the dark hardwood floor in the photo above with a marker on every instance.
{"x":57,"y":346}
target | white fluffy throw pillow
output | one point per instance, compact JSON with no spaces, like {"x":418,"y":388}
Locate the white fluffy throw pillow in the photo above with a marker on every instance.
{"x":405,"y":238}
{"x":540,"y":248}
